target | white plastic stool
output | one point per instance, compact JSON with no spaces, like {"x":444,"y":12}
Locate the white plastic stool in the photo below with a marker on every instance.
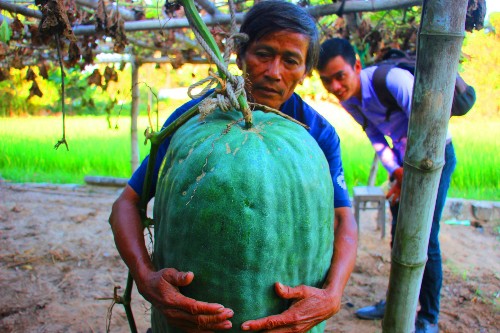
{"x":373,"y":194}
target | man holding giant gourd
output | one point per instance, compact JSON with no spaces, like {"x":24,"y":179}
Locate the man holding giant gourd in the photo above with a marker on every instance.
{"x":253,"y":226}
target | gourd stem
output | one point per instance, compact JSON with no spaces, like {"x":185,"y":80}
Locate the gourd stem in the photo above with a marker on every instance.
{"x":126,"y":299}
{"x":200,"y":26}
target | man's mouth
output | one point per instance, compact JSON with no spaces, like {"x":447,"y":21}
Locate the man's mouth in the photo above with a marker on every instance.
{"x":268,"y":90}
{"x":339,"y":94}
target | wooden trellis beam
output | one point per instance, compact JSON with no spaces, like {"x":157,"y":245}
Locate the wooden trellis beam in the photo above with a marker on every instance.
{"x":211,"y":20}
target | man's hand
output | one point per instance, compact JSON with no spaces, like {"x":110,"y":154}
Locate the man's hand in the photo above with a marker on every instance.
{"x":161,"y":289}
{"x":395,"y":190}
{"x":310,"y":307}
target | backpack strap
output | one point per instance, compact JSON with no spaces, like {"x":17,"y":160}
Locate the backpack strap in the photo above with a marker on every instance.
{"x":379,"y":82}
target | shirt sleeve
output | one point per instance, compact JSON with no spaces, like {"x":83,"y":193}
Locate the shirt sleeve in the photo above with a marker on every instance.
{"x":387,"y":156}
{"x":328,"y":140}
{"x":384,"y":152}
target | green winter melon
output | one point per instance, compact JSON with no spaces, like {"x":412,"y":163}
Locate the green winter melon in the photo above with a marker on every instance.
{"x":242,"y":209}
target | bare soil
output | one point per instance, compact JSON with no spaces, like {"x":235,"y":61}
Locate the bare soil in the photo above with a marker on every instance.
{"x":59,"y":265}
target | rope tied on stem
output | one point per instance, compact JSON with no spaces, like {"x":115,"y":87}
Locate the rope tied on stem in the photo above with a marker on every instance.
{"x":230,"y":87}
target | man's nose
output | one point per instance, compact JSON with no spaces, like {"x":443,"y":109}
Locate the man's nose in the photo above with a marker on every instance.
{"x":274,"y":69}
{"x":335,"y":85}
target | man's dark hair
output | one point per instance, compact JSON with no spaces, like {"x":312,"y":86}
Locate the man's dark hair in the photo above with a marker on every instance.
{"x":334,"y":47}
{"x":271,"y":16}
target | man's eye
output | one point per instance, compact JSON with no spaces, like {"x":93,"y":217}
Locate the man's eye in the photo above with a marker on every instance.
{"x":263,"y":54}
{"x":291,"y":61}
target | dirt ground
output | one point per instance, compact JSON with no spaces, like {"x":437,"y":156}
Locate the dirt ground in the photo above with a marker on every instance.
{"x":58,"y":267}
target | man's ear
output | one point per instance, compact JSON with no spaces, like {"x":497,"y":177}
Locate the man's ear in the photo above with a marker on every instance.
{"x":357,"y":66}
{"x":301,"y":81}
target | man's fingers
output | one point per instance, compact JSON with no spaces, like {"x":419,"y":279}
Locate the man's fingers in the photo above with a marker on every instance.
{"x":176,"y":278}
{"x":202,"y":322}
{"x":288,"y":292}
{"x":267,"y":323}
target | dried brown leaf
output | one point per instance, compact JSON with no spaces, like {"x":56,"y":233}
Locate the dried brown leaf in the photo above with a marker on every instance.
{"x":4,"y":74}
{"x":88,"y":56}
{"x":3,"y":50}
{"x":117,"y":31}
{"x":17,"y":62}
{"x":30,"y":75}
{"x":17,"y":26}
{"x":110,"y":74}
{"x":42,"y":70}
{"x":54,"y":20}
{"x":95,"y":78}
{"x":38,"y":39}
{"x":101,"y":17}
{"x":35,"y":90}
{"x":73,"y":54}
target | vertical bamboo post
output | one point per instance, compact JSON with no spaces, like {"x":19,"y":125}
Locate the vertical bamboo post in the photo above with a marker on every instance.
{"x":439,"y":43}
{"x":134,"y":114}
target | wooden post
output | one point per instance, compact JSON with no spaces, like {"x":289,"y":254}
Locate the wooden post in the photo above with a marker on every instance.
{"x":134,"y":114}
{"x":439,"y":43}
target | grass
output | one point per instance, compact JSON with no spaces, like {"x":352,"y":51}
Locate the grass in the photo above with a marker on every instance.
{"x":28,"y":154}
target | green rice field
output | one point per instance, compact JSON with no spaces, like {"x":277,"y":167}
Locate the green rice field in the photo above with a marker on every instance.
{"x":28,"y":154}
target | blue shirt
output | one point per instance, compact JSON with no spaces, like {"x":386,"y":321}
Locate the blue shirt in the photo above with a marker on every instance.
{"x":378,"y":128}
{"x":321,"y":130}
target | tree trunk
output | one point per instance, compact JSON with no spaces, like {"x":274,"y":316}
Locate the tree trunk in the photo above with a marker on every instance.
{"x":134,"y":114}
{"x":440,"y":39}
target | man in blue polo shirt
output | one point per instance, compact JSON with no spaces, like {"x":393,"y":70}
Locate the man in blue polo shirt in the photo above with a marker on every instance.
{"x":342,"y":75}
{"x":281,"y":50}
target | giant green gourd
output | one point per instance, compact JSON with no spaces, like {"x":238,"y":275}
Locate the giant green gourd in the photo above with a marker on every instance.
{"x":242,"y":209}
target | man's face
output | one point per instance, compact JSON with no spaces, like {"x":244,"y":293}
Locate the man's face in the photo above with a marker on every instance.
{"x":275,"y":64}
{"x":341,"y":79}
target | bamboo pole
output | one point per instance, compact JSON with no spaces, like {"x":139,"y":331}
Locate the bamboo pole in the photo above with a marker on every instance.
{"x":439,"y":42}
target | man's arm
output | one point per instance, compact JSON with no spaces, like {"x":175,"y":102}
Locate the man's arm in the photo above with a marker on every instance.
{"x":384,"y":151}
{"x":160,"y":287}
{"x":312,"y":305}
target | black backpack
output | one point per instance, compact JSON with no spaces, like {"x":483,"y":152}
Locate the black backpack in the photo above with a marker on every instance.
{"x":464,"y":95}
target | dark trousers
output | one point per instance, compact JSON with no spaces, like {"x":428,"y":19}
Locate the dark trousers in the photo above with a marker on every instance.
{"x":433,"y":273}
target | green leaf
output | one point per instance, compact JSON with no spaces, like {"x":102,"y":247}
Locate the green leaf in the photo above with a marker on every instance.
{"x":5,"y":32}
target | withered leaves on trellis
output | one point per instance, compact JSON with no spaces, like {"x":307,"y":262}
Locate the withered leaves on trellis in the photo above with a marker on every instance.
{"x":30,"y":75}
{"x":73,"y":54}
{"x":38,"y":39}
{"x":17,"y":28}
{"x":54,"y":19}
{"x":176,"y":59}
{"x":4,"y":74}
{"x":42,"y":70}
{"x":101,"y":17}
{"x":110,"y":74}
{"x":17,"y":62}
{"x":117,"y":31}
{"x":95,"y":78}
{"x":476,"y":13}
{"x":3,"y":50}
{"x":35,"y":90}
{"x":87,"y":56}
